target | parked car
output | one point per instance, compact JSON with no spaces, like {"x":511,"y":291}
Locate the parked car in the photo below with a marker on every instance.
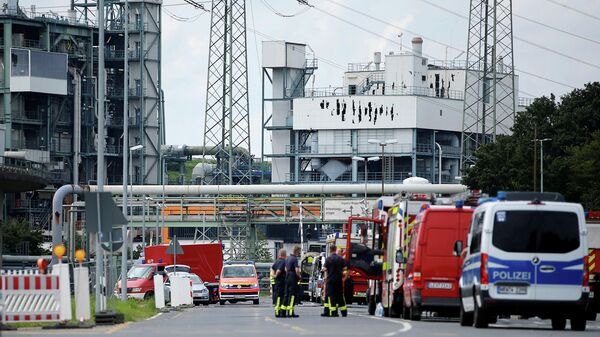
{"x":525,"y":258}
{"x":140,"y":283}
{"x":238,"y":282}
{"x":200,"y":293}
{"x":180,"y":268}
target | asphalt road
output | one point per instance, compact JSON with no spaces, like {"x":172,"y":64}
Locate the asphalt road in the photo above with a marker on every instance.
{"x":249,"y":320}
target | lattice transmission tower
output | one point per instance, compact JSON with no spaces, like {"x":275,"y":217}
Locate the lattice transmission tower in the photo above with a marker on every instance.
{"x":490,"y":102}
{"x":227,"y":119}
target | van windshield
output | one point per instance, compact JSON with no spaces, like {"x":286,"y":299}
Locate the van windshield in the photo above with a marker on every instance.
{"x":536,"y":231}
{"x":238,"y":271}
{"x":137,"y":272}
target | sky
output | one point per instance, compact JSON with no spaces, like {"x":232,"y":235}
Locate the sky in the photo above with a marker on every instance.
{"x":185,"y":45}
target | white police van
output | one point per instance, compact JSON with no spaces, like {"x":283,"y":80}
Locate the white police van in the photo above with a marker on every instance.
{"x":525,"y":258}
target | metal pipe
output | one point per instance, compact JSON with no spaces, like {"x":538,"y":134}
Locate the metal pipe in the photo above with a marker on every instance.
{"x":193,"y":150}
{"x":57,"y":212}
{"x":283,"y":189}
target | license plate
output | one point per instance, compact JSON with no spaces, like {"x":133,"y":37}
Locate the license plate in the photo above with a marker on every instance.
{"x":439,"y":285}
{"x":512,"y":290}
{"x":239,"y":296}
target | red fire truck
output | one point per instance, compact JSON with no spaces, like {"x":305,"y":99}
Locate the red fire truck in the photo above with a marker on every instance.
{"x":593,"y":226}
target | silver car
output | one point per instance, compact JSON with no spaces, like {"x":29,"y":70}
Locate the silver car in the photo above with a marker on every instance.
{"x":199,"y":291}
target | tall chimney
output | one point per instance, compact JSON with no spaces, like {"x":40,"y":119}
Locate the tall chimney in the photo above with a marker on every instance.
{"x":417,"y":46}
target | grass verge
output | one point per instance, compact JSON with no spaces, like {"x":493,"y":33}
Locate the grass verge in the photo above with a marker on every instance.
{"x":132,"y":309}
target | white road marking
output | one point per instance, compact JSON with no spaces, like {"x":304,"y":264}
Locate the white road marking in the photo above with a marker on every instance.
{"x":153,"y":317}
{"x":405,"y":325}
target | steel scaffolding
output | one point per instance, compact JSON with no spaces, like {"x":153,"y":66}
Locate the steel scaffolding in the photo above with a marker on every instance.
{"x":227,"y":119}
{"x":490,"y":104}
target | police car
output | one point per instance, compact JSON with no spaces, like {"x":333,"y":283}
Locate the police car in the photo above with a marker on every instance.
{"x":525,"y":258}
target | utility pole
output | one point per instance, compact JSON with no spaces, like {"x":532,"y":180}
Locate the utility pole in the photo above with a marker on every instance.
{"x":542,"y":161}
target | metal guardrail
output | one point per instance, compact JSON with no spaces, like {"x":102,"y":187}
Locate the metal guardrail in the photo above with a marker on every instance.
{"x":388,"y":90}
{"x":446,"y":149}
{"x":346,"y":149}
{"x":525,"y":101}
{"x":312,"y":63}
{"x":362,"y":66}
{"x":372,"y":177}
{"x":120,"y":54}
{"x":448,"y":64}
{"x":26,"y":166}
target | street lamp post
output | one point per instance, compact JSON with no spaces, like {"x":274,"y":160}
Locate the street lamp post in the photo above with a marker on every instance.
{"x":144,"y":208}
{"x":542,"y":161}
{"x":366,"y":160}
{"x":157,"y":228}
{"x":125,"y":228}
{"x":383,"y":144}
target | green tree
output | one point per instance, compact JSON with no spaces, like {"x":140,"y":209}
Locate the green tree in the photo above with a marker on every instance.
{"x":570,"y":159}
{"x":18,"y":238}
{"x":585,"y":180}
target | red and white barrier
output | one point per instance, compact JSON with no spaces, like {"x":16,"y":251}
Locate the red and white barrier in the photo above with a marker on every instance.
{"x":159,"y":292}
{"x":30,"y":297}
{"x":181,"y":291}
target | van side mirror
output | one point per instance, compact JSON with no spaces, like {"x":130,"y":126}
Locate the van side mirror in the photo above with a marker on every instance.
{"x":217,"y":278}
{"x":458,"y":247}
{"x":399,"y":257}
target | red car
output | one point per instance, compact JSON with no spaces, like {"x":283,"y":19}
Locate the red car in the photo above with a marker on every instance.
{"x":432,"y":268}
{"x":140,"y":282}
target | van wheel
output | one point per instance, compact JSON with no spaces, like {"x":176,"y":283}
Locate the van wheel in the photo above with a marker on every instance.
{"x":465,"y":318}
{"x":405,"y":311}
{"x":394,"y":312}
{"x":222,"y":302}
{"x":255,"y":302}
{"x":578,"y":323}
{"x":415,"y":314}
{"x":371,"y":307}
{"x":559,"y":323}
{"x":480,"y":319}
{"x":148,"y":295}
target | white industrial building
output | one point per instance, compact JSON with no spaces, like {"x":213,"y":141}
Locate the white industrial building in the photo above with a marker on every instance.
{"x":315,"y":133}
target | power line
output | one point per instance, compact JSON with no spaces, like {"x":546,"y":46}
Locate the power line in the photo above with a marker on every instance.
{"x":180,"y":18}
{"x":255,"y":38}
{"x":574,"y":9}
{"x":521,"y":39}
{"x":196,"y":5}
{"x":556,"y":29}
{"x":394,"y":25}
{"x":276,"y":12}
{"x":449,"y":46}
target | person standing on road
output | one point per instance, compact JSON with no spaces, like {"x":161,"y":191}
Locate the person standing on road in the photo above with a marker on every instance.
{"x":334,"y":293}
{"x":292,"y":277}
{"x":278,"y":283}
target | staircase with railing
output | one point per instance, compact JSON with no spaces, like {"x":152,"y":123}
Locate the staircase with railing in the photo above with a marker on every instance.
{"x":369,"y":81}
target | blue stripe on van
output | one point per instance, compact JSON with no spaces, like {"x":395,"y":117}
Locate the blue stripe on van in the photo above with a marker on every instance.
{"x":565,"y":272}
